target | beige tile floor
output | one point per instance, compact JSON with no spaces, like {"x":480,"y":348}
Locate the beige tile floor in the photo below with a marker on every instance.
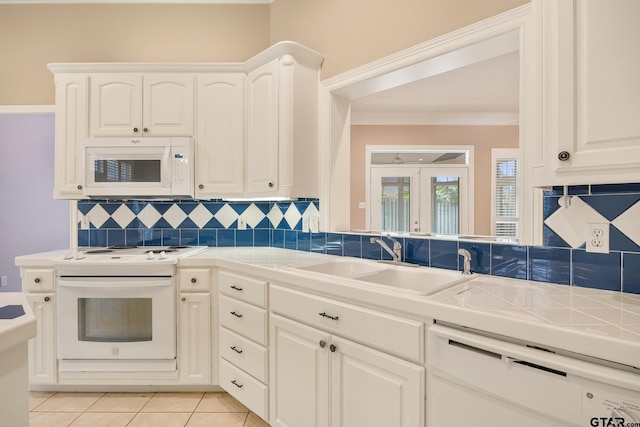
{"x":50,"y":409}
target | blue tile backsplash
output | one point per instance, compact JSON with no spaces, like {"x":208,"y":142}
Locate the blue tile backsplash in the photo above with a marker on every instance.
{"x":562,"y":259}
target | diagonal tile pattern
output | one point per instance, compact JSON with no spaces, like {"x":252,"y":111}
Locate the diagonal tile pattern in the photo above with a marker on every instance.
{"x":178,"y":215}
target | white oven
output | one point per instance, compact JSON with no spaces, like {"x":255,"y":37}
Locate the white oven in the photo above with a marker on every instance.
{"x":116,"y":323}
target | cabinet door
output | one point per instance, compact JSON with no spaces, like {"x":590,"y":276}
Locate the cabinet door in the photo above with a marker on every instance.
{"x":373,"y":389}
{"x":116,"y":105}
{"x":42,"y":350}
{"x":194,"y":355}
{"x":262,"y":129}
{"x":299,"y":375}
{"x":71,"y":128}
{"x":219,"y":135}
{"x":592,"y":92}
{"x":167,"y":101}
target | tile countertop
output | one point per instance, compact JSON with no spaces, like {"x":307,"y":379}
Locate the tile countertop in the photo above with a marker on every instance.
{"x":20,"y":329}
{"x":592,"y":322}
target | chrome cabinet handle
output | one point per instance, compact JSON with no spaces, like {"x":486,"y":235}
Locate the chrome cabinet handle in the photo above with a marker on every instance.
{"x":194,"y":280}
{"x":183,"y":299}
{"x":200,"y":186}
{"x":46,"y":299}
{"x":563,"y":156}
{"x":322,"y":344}
{"x":323,"y":314}
{"x":333,"y":348}
{"x":145,"y":130}
{"x":37,"y":280}
{"x":235,"y":288}
{"x":236,"y":350}
{"x":135,"y":130}
{"x":236,"y":314}
{"x":236,"y":384}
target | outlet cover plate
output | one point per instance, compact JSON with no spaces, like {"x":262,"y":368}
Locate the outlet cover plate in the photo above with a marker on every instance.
{"x":598,"y":238}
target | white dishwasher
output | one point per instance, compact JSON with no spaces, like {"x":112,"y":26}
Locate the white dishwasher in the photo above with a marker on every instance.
{"x":483,"y":381}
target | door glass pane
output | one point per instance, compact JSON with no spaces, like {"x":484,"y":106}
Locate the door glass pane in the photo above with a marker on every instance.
{"x":114,"y":319}
{"x":395,"y":203}
{"x":112,"y":170}
{"x":445,"y":193}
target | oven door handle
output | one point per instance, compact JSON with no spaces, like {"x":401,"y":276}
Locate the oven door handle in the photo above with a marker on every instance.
{"x":113,"y":283}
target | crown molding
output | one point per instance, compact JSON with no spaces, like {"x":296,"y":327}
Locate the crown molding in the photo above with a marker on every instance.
{"x":442,"y":119}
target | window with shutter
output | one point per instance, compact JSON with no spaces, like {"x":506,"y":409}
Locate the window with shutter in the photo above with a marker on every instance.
{"x":505,"y":197}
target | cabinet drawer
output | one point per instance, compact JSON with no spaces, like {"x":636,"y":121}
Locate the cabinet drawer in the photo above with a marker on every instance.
{"x":243,"y":288}
{"x":249,"y":391}
{"x":194,"y":279}
{"x":244,"y":319}
{"x":38,"y":279}
{"x":387,"y":332}
{"x":244,"y":353}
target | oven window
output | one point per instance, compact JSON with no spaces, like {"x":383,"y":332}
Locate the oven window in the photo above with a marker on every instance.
{"x":114,"y":319}
{"x":113,"y":170}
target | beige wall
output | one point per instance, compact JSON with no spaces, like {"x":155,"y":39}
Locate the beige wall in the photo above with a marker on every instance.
{"x":483,"y":138}
{"x":33,"y":35}
{"x":351,"y":33}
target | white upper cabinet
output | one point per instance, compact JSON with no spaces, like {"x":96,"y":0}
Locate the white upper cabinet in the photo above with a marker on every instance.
{"x":282,"y":122}
{"x":134,"y":104}
{"x":71,"y":129}
{"x":591,"y":92}
{"x":220,"y":135}
{"x":262,"y":129}
{"x":255,"y":124}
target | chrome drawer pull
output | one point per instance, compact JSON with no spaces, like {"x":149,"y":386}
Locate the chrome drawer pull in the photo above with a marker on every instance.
{"x":236,"y":384}
{"x":234,"y":287}
{"x":323,"y":314}
{"x":236,"y":350}
{"x":236,"y":314}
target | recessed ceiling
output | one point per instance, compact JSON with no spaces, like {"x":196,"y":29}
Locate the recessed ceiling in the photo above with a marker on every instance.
{"x":485,"y":92}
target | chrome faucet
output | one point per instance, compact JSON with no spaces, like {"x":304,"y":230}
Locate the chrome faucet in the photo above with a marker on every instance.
{"x":466,"y":256}
{"x":396,"y":252}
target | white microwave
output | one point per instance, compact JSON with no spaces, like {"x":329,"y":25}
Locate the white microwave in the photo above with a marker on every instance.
{"x":139,"y":167}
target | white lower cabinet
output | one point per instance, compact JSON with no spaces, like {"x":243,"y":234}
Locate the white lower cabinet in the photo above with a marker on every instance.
{"x":343,"y":383}
{"x":194,"y":326}
{"x":42,"y":348}
{"x":242,"y":313}
{"x":194,"y":347}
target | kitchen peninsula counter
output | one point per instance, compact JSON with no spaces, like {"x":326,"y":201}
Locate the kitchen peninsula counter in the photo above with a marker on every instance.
{"x":14,"y":334}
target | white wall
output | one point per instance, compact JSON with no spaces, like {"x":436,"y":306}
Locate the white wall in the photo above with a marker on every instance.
{"x":30,"y":219}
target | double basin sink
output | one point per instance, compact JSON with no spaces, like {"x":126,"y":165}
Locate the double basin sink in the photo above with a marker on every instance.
{"x":396,"y":277}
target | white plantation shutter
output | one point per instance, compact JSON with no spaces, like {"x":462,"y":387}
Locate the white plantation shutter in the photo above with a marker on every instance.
{"x":505,"y":192}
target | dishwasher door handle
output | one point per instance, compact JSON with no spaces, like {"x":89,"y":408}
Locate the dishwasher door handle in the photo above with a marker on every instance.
{"x":510,"y":360}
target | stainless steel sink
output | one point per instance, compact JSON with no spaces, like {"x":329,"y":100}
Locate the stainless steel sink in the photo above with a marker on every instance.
{"x":416,"y":281}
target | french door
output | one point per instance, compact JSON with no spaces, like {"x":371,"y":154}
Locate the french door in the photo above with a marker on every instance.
{"x":420,"y":199}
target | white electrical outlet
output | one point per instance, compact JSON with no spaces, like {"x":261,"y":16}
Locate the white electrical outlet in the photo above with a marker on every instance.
{"x":314,"y":224}
{"x":242,"y":223}
{"x":305,"y":224}
{"x":3,"y":281}
{"x":598,"y":238}
{"x":85,"y":222}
